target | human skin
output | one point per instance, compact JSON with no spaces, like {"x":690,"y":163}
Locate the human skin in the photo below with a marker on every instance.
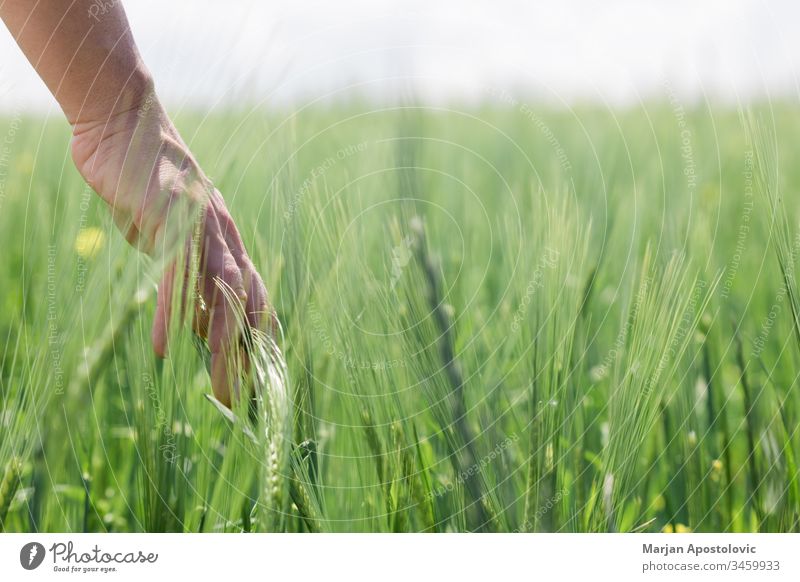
{"x":129,"y":152}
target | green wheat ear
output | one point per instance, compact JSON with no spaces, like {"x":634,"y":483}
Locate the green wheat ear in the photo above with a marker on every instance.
{"x":8,"y":488}
{"x":272,"y":407}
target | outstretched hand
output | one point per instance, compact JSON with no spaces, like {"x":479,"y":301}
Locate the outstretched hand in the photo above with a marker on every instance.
{"x":137,"y":162}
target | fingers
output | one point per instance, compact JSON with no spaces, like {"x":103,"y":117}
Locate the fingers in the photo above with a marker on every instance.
{"x":224,"y":329}
{"x":223,"y":261}
{"x":257,"y":310}
{"x":163,"y":316}
{"x":163,"y":312}
{"x":225,"y":358}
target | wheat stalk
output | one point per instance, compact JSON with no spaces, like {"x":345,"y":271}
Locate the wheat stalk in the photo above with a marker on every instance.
{"x":8,"y":488}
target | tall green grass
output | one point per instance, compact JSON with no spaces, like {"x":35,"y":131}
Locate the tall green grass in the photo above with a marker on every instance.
{"x":494,"y":319}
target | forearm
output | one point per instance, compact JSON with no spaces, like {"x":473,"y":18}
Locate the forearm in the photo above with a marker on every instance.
{"x":127,"y":149}
{"x":87,"y":59}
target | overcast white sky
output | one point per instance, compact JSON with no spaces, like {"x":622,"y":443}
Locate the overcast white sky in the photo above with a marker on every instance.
{"x":203,"y":52}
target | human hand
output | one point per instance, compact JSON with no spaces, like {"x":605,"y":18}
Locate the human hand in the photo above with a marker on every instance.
{"x":136,"y":161}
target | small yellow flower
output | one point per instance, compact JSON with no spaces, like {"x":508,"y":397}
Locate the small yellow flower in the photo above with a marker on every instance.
{"x":89,"y":242}
{"x":668,"y":529}
{"x":24,"y":164}
{"x":680,"y":528}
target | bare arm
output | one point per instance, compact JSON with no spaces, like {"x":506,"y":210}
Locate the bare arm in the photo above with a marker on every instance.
{"x":88,"y":60}
{"x":128,"y":150}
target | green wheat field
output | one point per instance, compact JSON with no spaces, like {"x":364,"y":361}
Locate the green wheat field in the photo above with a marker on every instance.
{"x":495,"y":318}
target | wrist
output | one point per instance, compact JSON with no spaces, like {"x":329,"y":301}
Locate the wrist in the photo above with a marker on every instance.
{"x":133,"y":93}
